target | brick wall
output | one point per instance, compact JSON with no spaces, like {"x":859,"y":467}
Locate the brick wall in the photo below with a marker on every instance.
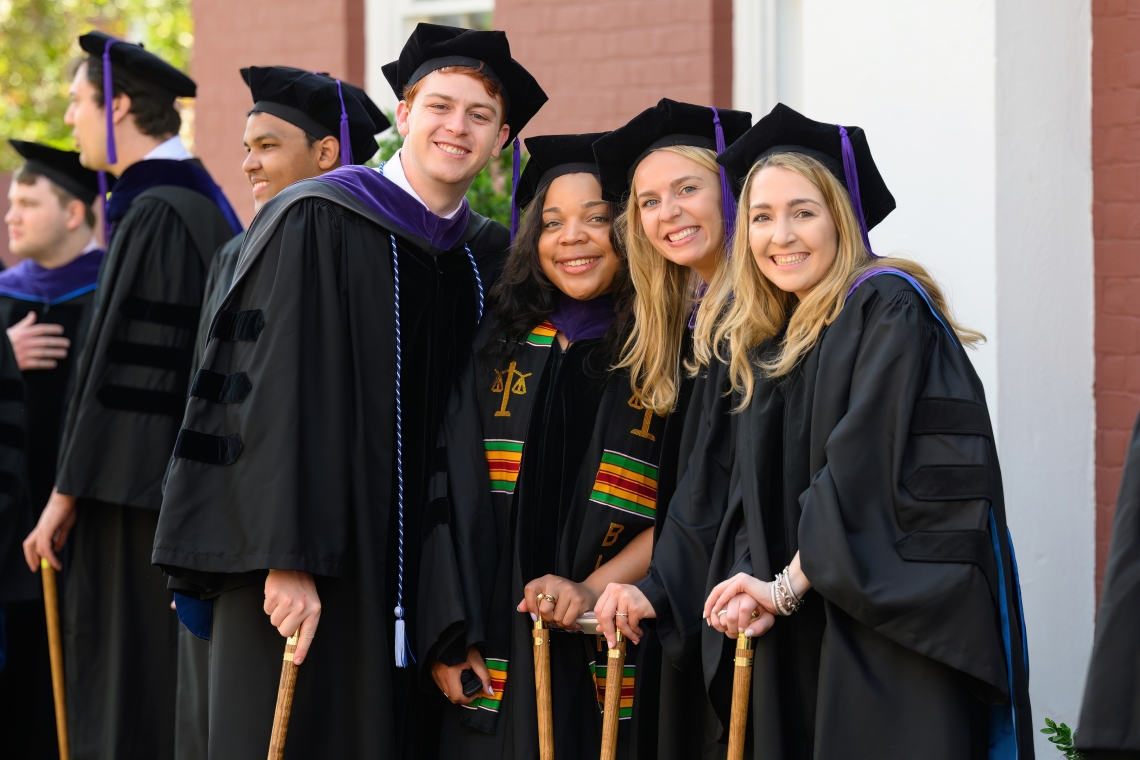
{"x":603,"y":61}
{"x":1116,"y":225}
{"x":232,"y":34}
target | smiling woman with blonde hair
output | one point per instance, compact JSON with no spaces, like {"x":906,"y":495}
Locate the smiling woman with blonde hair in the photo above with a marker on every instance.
{"x":677,"y":219}
{"x":868,"y":473}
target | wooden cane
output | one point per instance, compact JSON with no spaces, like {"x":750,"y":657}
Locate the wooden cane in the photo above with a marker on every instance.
{"x":55,"y":650}
{"x":542,"y":690}
{"x":284,"y":700}
{"x":741,"y":687}
{"x":611,"y":712}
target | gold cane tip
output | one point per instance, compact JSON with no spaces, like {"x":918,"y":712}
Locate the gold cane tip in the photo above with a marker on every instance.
{"x":44,"y":564}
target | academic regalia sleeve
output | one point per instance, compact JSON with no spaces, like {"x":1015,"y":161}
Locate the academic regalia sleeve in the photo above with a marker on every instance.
{"x":460,"y":552}
{"x":678,"y":574}
{"x":273,"y":448}
{"x":17,"y":517}
{"x":1110,"y":715}
{"x":895,"y":524}
{"x":218,"y":280}
{"x":132,"y":374}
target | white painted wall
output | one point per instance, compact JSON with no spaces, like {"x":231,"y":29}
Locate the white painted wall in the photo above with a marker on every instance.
{"x":979,"y":115}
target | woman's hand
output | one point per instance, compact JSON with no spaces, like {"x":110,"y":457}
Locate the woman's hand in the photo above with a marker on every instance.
{"x":449,"y":679}
{"x":741,"y":604}
{"x":292,"y":604}
{"x":50,"y":533}
{"x":623,"y":605}
{"x":570,"y":601}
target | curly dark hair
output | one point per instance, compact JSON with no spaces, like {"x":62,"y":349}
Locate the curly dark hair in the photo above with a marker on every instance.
{"x":524,"y":296}
{"x":154,"y":115}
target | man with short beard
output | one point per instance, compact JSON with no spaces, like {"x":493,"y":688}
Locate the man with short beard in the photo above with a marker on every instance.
{"x":296,"y":490}
{"x":45,"y":305}
{"x":167,"y":218}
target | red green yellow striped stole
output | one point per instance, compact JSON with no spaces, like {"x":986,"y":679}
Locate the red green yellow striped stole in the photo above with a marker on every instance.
{"x":498,"y":671}
{"x":543,"y":335}
{"x":626,"y":484}
{"x":503,"y":460}
{"x":600,"y":671}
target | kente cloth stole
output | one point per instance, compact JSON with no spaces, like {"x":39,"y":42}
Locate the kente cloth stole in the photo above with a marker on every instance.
{"x":507,"y":384}
{"x":620,"y":503}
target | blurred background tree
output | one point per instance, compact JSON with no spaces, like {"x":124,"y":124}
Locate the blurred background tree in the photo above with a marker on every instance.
{"x":38,"y":44}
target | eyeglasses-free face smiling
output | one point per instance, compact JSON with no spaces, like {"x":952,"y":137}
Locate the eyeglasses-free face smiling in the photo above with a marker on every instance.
{"x":679,"y":204}
{"x":575,"y":249}
{"x":791,"y":232}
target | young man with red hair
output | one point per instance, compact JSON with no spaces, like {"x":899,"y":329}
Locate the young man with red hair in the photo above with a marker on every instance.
{"x":295,"y":498}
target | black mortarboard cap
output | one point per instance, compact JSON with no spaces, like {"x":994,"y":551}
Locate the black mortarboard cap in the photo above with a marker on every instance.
{"x":432,"y":47}
{"x":148,"y":69}
{"x":61,"y":167}
{"x":316,"y":103}
{"x":552,"y":156}
{"x":843,"y":150}
{"x":666,"y":124}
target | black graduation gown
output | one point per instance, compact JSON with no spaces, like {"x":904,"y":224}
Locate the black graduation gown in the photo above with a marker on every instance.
{"x":1110,"y":715}
{"x":27,"y":712}
{"x":875,"y":460}
{"x":119,"y":633}
{"x":576,"y":432}
{"x":693,"y":496}
{"x":218,"y":281}
{"x":287,"y":460}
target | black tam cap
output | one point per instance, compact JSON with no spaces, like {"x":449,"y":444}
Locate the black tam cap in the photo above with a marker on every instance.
{"x":666,"y":124}
{"x":552,"y":156}
{"x":433,"y":47}
{"x":316,"y":102}
{"x":61,"y":167}
{"x":843,"y":150}
{"x":148,"y":69}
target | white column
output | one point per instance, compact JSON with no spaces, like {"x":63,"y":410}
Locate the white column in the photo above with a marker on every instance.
{"x":766,"y":54}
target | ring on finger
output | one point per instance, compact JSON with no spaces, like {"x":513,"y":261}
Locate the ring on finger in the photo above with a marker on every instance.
{"x":622,"y":614}
{"x":722,"y":613}
{"x":755,"y":614}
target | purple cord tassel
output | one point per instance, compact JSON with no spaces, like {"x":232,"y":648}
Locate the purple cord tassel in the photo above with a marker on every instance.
{"x":727,"y":201}
{"x":345,"y":137}
{"x":851,"y":172}
{"x":103,"y":199}
{"x":108,"y":98}
{"x":516,"y":167}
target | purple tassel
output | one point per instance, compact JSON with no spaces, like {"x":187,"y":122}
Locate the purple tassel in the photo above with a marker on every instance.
{"x":852,"y":174}
{"x":727,"y":202}
{"x":103,"y":199}
{"x":108,"y":98}
{"x":345,"y":138}
{"x":516,"y":167}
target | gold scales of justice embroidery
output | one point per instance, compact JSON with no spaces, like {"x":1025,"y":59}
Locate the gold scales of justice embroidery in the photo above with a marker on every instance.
{"x":508,"y":381}
{"x":643,"y":432}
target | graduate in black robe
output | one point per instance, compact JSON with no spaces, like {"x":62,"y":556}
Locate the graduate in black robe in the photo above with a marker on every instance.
{"x":307,"y":440}
{"x":680,"y":187}
{"x":1110,"y":715}
{"x":45,"y":305}
{"x":293,"y":132}
{"x":546,"y":479}
{"x":167,"y":217}
{"x":869,"y":483}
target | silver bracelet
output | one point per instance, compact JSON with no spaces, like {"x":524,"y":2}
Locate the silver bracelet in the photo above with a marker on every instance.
{"x":785,"y":600}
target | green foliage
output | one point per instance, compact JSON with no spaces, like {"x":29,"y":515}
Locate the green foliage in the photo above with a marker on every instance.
{"x":490,"y":192}
{"x":38,"y":42}
{"x":1062,"y":736}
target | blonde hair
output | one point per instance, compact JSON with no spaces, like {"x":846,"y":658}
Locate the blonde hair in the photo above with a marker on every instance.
{"x":754,"y":309}
{"x":665,"y":293}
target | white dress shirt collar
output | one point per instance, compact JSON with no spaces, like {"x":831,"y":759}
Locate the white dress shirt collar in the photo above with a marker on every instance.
{"x":394,"y":170}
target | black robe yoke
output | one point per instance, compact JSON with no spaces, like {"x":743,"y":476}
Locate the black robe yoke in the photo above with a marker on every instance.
{"x":218,"y":281}
{"x":287,"y":460}
{"x":1110,"y":715}
{"x":874,"y":459}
